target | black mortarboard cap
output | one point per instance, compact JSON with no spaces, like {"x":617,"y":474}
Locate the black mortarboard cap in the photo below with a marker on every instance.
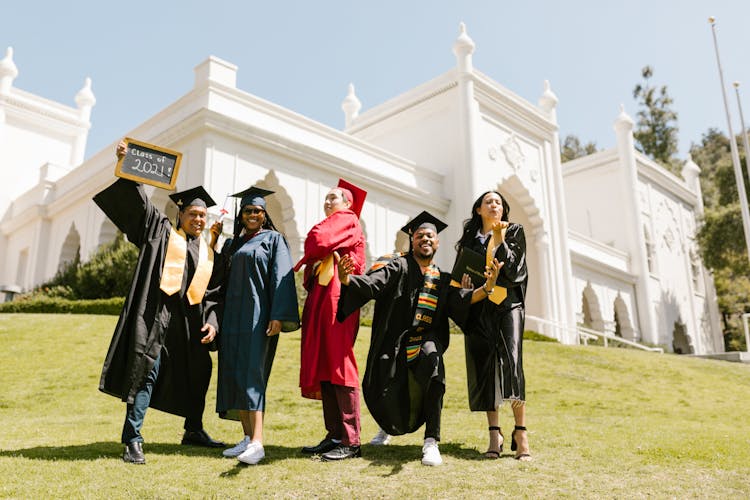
{"x":253,"y":196}
{"x":196,"y":196}
{"x":424,"y":219}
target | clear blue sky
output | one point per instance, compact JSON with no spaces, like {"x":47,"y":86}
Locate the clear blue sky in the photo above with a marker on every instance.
{"x":302,"y":54}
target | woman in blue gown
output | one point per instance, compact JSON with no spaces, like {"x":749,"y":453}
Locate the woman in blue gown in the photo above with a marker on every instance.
{"x":260,"y":301}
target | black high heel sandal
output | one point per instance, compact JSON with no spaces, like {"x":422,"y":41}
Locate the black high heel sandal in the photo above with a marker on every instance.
{"x":493,"y":454}
{"x":514,"y":446}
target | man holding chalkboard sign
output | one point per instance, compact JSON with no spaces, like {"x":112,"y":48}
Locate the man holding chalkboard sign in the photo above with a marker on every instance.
{"x":159,"y":353}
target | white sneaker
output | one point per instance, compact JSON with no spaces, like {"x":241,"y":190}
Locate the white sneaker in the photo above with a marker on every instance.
{"x":253,"y":454}
{"x":381,"y":438}
{"x":430,"y":453}
{"x":237,"y":449}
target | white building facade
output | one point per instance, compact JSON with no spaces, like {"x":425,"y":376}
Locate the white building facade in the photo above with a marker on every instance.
{"x":435,"y":147}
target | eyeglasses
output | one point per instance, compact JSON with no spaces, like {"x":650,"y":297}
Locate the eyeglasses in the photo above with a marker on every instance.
{"x":252,"y":211}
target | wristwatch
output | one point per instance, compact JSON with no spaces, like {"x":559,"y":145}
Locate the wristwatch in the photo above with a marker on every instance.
{"x":488,"y":292}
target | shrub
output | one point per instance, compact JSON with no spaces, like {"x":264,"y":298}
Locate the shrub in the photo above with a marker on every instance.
{"x":57,"y":305}
{"x":108,"y":273}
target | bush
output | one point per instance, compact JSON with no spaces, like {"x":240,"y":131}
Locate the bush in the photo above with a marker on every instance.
{"x":57,"y":305}
{"x":107,"y":274}
{"x":537,"y":337}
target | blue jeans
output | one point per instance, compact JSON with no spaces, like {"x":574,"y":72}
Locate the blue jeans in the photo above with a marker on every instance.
{"x":131,"y":429}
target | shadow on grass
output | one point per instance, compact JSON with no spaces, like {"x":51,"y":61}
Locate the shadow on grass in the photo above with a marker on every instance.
{"x":108,"y":449}
{"x":392,"y":456}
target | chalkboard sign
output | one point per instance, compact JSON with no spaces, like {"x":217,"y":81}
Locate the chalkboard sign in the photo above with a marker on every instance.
{"x":149,"y":164}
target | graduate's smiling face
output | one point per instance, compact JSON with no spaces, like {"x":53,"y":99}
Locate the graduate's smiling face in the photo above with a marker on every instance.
{"x":335,"y":201}
{"x":425,"y":243}
{"x":253,"y":217}
{"x":193,"y":220}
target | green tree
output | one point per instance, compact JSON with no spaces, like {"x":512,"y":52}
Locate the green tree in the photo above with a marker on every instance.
{"x":720,"y":237}
{"x":656,"y":130}
{"x":571,"y":148}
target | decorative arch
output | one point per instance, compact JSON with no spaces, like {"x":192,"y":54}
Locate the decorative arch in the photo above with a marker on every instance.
{"x":623,"y":323}
{"x":368,"y":254}
{"x":513,"y":187}
{"x":401,"y":242}
{"x":107,"y":232}
{"x":681,"y":341}
{"x":592,"y":313}
{"x":523,"y":210}
{"x":71,"y":248}
{"x":281,"y":210}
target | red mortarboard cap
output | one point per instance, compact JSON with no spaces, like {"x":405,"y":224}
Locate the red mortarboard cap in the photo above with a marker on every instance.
{"x":358,"y":194}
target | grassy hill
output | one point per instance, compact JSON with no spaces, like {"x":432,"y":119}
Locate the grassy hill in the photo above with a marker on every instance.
{"x":602,"y":423}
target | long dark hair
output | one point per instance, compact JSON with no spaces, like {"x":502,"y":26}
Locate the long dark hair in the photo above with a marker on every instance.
{"x":474,"y":223}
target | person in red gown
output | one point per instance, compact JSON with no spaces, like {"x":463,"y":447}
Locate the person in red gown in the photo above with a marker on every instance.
{"x":328,"y":368}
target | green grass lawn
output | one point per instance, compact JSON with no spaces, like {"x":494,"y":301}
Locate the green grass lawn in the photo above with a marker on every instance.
{"x":612,"y":423}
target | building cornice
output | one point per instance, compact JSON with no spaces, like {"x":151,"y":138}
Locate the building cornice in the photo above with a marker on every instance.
{"x":410,"y":99}
{"x":512,"y":106}
{"x":31,"y":108}
{"x":610,"y":261}
{"x":358,"y":172}
{"x":649,"y":169}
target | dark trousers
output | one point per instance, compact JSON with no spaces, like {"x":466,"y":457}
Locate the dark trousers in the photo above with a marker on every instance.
{"x":430,"y":370}
{"x":341,"y":412}
{"x":136,"y":412}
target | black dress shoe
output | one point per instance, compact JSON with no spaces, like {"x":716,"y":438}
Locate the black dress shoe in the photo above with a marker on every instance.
{"x":201,"y":438}
{"x":342,"y":452}
{"x":322,"y":447}
{"x":133,"y":453}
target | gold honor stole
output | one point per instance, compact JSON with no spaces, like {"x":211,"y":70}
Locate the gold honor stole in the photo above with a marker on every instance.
{"x":325,"y":271}
{"x":499,"y":293}
{"x":426,"y":305}
{"x":174,"y":266}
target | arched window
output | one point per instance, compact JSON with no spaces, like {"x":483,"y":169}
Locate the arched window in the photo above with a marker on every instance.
{"x":695,"y":268}
{"x":650,"y":250}
{"x":71,"y":248}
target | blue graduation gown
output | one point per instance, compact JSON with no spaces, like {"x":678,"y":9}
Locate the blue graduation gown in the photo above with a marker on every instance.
{"x":259,"y":287}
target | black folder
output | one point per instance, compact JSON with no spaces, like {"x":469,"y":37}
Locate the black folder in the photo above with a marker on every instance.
{"x":471,"y":263}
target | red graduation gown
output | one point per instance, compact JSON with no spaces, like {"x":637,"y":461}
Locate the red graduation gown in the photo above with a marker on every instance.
{"x":328,"y":345}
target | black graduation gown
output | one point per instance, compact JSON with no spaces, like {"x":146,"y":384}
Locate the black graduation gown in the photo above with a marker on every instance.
{"x":152,"y":323}
{"x":392,"y":400}
{"x":494,"y":332}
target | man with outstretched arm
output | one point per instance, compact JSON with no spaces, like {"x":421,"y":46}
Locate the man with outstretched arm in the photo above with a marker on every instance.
{"x":404,"y":380}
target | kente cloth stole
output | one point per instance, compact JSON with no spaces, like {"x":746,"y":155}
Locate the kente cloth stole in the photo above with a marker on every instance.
{"x":385,"y":259}
{"x":426,"y":305}
{"x":174,"y":267}
{"x":499,"y":293}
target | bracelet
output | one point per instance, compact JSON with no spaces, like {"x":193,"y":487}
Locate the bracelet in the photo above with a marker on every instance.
{"x":488,"y":292}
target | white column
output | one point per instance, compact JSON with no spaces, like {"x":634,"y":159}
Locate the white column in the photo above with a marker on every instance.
{"x":85,"y":101}
{"x":562,"y":272}
{"x":351,"y":106}
{"x":464,"y":185}
{"x":626,"y":151}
